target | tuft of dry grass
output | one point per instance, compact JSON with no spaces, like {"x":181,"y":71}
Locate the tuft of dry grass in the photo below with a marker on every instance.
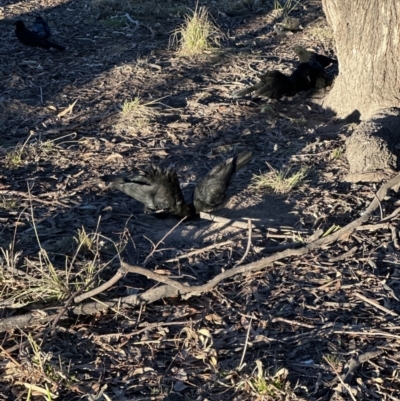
{"x":279,"y":181}
{"x":46,"y":282}
{"x":261,"y":385}
{"x":197,"y":34}
{"x":22,"y":152}
{"x":287,"y":6}
{"x":137,"y":114}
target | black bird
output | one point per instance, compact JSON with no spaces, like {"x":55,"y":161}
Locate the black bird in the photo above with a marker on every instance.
{"x":210,"y":192}
{"x":157,"y":188}
{"x":31,"y":38}
{"x":273,"y":84}
{"x":41,"y":27}
{"x":306,"y":75}
{"x":306,"y":56}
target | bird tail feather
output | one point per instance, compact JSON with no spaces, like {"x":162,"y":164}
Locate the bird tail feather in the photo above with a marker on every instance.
{"x":242,"y":92}
{"x":242,"y":159}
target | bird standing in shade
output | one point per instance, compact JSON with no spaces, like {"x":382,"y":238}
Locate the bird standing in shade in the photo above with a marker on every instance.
{"x":157,"y":188}
{"x":31,"y":38}
{"x":210,"y":192}
{"x":41,"y":27}
{"x":318,"y":62}
{"x":306,"y":75}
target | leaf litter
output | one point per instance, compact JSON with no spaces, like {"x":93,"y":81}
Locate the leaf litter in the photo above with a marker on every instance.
{"x":319,"y":326}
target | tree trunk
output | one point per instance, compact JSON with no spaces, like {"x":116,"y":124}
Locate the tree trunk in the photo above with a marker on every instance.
{"x":367,"y":35}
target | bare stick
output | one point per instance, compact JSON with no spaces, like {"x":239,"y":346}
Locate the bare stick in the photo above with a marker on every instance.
{"x":248,"y":244}
{"x":245,"y":344}
{"x":346,"y":386}
{"x":395,"y":237}
{"x":131,"y":20}
{"x":197,"y":251}
{"x":375,"y":304}
{"x":391,"y":215}
{"x":161,"y":240}
{"x":32,"y":197}
{"x":223,"y":220}
{"x":345,"y":255}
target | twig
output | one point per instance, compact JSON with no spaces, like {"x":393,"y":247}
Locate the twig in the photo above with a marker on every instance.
{"x":100,"y":289}
{"x":391,"y":215}
{"x":137,"y":23}
{"x":41,"y":95}
{"x":245,"y":344}
{"x":345,"y":255}
{"x":395,"y":237}
{"x":173,"y":288}
{"x":346,"y":386}
{"x":380,"y":206}
{"x":223,"y":220}
{"x":374,"y":303}
{"x":197,"y":251}
{"x":32,"y":197}
{"x":373,"y":227}
{"x":161,"y":240}
{"x":293,"y":323}
{"x":248,"y":244}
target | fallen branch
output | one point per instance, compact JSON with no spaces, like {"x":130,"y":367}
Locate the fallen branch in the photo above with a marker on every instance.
{"x":173,"y":288}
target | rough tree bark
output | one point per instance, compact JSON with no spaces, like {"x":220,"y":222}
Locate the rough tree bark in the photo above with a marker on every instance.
{"x":367,"y":35}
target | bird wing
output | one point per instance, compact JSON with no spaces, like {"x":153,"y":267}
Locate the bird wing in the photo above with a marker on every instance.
{"x":211,"y":190}
{"x":156,"y":188}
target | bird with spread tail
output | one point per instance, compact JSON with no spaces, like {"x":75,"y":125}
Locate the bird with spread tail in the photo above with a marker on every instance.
{"x":158,"y":189}
{"x":31,"y":38}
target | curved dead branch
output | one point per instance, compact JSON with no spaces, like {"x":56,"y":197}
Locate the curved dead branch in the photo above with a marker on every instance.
{"x":173,"y":288}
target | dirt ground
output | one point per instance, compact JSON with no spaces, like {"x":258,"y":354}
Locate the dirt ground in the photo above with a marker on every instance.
{"x":292,"y":331}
